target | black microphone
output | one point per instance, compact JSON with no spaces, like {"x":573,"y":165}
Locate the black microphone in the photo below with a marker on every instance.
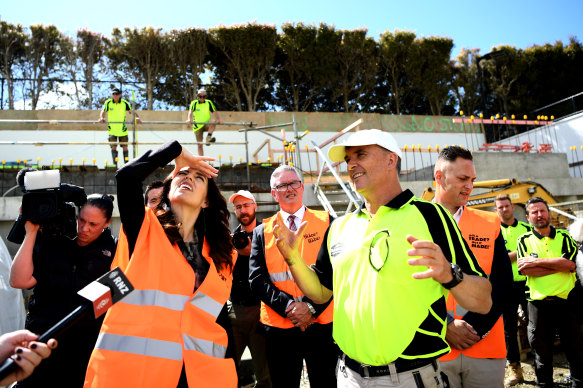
{"x":98,"y":295}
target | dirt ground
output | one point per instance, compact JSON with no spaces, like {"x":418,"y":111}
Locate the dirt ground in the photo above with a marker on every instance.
{"x":560,"y":372}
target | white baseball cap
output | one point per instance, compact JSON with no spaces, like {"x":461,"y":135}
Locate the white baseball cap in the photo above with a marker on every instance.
{"x":201,"y":91}
{"x":383,"y":139}
{"x":242,"y":193}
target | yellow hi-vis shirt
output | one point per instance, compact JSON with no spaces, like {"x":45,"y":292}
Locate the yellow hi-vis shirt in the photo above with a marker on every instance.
{"x":116,"y":112}
{"x":511,"y":234}
{"x":381,"y":312}
{"x":559,"y":243}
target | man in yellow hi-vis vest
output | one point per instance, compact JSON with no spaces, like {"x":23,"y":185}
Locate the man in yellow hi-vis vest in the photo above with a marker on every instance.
{"x":511,"y":230}
{"x":547,"y":256}
{"x":389,"y":264}
{"x":116,"y":108}
{"x":200,"y":112}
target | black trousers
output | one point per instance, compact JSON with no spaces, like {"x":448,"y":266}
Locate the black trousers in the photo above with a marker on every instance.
{"x":545,"y":317}
{"x":287,"y":348}
{"x":510,"y":316}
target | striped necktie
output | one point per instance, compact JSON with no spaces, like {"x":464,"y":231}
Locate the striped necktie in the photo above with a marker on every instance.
{"x":292,"y":225}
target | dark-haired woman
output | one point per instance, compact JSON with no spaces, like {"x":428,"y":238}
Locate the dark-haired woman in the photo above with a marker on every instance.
{"x":57,"y":267}
{"x":179,"y":258}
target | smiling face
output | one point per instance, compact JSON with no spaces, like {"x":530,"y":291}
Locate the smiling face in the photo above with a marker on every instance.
{"x":290,"y":200}
{"x":364,"y":167}
{"x":189,"y":187}
{"x":456,"y":181}
{"x":90,"y":224}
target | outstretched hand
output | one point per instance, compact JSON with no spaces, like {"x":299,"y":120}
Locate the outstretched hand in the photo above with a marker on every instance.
{"x":432,"y":257}
{"x":288,"y":242}
{"x":199,"y":163}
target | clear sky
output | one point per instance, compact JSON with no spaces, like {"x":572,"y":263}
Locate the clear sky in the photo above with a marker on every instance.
{"x":471,"y":24}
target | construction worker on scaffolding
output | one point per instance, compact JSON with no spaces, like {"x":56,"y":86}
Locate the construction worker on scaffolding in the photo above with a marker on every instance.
{"x":116,"y":108}
{"x":200,"y":112}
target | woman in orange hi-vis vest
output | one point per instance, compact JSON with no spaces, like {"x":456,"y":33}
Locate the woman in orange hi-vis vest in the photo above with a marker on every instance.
{"x":179,"y":257}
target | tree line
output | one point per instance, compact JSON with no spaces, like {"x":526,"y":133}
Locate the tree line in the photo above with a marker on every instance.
{"x":307,"y":68}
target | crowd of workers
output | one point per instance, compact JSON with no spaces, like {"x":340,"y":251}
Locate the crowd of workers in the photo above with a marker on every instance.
{"x":401,"y":292}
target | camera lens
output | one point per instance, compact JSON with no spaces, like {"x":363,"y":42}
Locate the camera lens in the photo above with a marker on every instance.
{"x":240,"y":239}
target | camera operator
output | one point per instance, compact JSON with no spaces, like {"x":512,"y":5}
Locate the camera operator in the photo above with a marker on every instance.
{"x":58,"y":266}
{"x":244,"y":306}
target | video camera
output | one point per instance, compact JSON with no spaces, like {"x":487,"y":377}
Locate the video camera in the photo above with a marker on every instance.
{"x":47,"y":202}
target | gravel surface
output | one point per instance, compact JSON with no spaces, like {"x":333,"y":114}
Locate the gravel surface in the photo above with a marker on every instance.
{"x":560,"y":372}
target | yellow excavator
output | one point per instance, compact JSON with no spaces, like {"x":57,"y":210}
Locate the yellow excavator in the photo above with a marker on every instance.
{"x":519,"y":193}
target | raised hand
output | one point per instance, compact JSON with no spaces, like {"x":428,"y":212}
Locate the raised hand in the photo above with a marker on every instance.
{"x":199,"y":163}
{"x":288,"y":242}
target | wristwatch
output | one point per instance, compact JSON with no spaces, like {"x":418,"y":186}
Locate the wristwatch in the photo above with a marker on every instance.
{"x":311,"y":308}
{"x":458,"y":276}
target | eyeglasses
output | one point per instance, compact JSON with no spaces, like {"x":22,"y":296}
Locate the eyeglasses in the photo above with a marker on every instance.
{"x":201,"y":96}
{"x":116,"y":94}
{"x":378,"y":251}
{"x":284,"y":186}
{"x":247,"y":205}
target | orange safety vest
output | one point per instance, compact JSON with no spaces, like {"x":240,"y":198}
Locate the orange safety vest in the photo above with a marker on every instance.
{"x":480,"y":230}
{"x":279,"y":271}
{"x":148,"y":336}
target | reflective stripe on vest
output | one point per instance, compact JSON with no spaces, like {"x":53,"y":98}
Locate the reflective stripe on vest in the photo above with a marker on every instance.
{"x":156,"y":298}
{"x":278,"y":269}
{"x":139,"y":345}
{"x":206,"y":303}
{"x":207,"y":347}
{"x":281,"y":276}
{"x":480,"y":230}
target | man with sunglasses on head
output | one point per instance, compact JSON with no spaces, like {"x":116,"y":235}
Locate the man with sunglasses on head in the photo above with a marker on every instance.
{"x":478,"y":356}
{"x":389,"y":264}
{"x":296,"y":328}
{"x":243,"y":306}
{"x":200,"y":112}
{"x":116,"y":108}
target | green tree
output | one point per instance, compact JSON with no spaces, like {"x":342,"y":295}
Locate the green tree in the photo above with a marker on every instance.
{"x":501,"y":75}
{"x":395,"y":52}
{"x":90,"y":49}
{"x":466,"y":81}
{"x":188,"y":53}
{"x":243,"y":58}
{"x":141,"y":54}
{"x":357,"y":69}
{"x":431,"y":71}
{"x":71,"y":67}
{"x":44,"y":56}
{"x":298,"y":73}
{"x":12,"y":52}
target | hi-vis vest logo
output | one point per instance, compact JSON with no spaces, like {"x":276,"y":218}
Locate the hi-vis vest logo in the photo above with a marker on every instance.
{"x":479,"y":242}
{"x":312,"y":237}
{"x":336,"y":249}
